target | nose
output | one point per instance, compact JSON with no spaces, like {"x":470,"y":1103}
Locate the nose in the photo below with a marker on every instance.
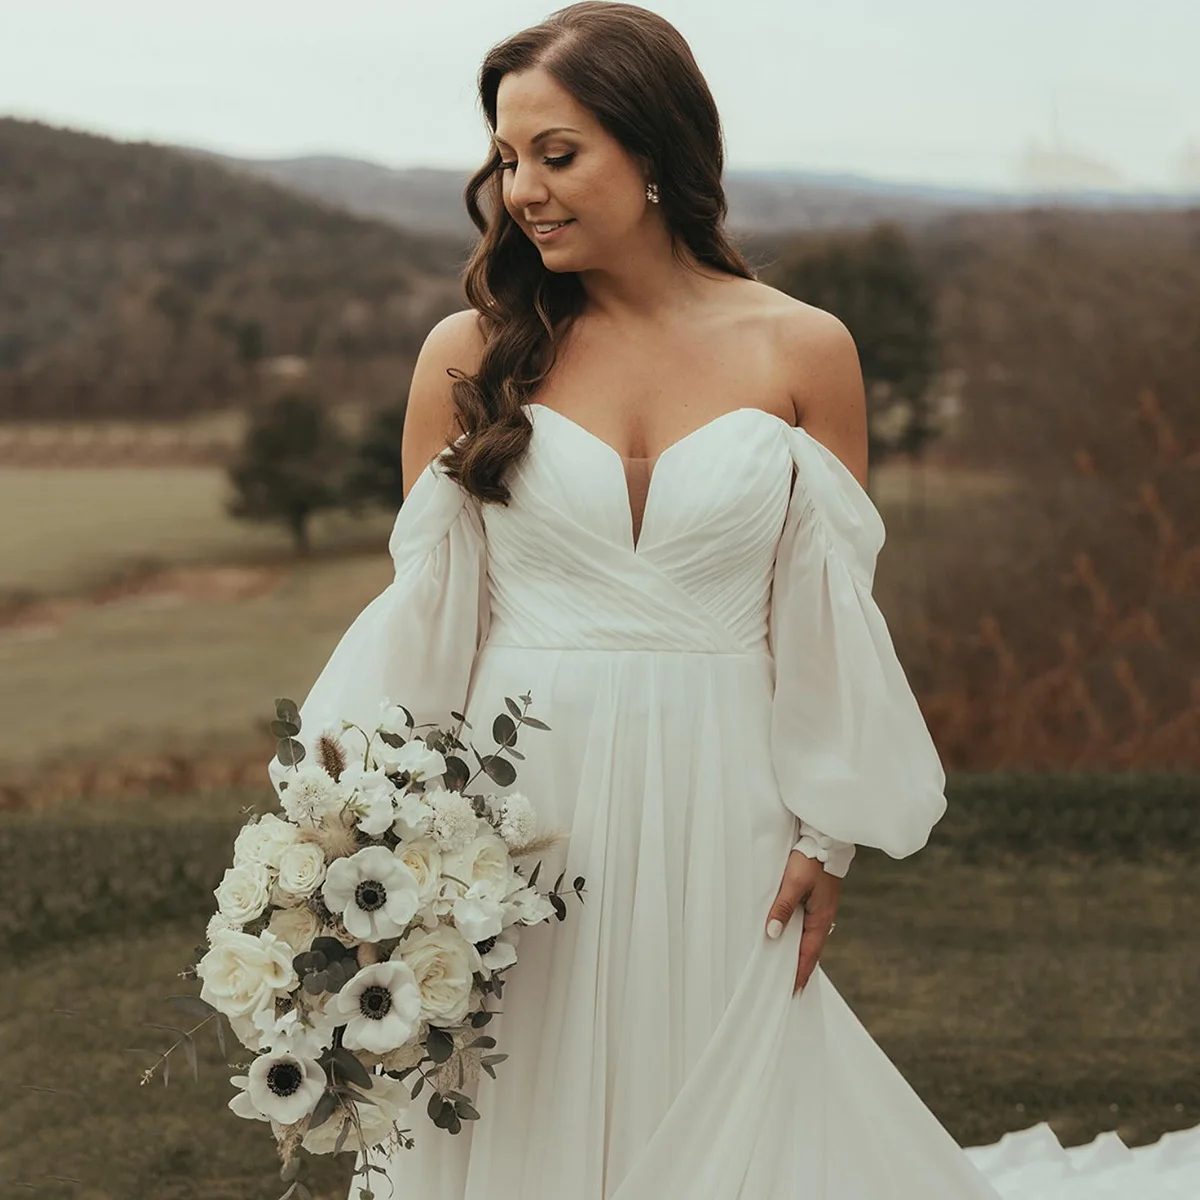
{"x":526,"y":190}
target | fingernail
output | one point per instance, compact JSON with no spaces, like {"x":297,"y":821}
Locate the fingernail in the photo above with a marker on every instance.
{"x":774,"y":927}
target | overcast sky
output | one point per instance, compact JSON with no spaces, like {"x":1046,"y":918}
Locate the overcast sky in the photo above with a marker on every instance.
{"x":942,"y":91}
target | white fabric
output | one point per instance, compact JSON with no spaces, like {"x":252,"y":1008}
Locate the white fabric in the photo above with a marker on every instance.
{"x":709,"y":690}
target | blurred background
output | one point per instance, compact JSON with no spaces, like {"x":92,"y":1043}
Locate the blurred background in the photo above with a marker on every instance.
{"x":224,"y":235}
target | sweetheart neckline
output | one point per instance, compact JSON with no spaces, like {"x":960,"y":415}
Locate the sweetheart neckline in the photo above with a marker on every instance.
{"x":635,"y":541}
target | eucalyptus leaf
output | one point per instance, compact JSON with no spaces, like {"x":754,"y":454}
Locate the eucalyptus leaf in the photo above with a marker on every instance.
{"x":286,"y":710}
{"x":290,"y":1170}
{"x":513,"y":707}
{"x":504,"y":730}
{"x":343,"y":1134}
{"x":466,"y":1110}
{"x":499,"y":769}
{"x":193,"y":1005}
{"x":189,"y":1050}
{"x":290,"y":752}
{"x":326,"y":1106}
{"x":534,"y":723}
{"x":457,"y":773}
{"x":439,"y":1044}
{"x":284,"y":729}
{"x":352,"y":1070}
{"x":533,"y":877}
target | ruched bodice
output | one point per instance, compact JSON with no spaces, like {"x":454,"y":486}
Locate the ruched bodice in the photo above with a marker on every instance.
{"x":565,"y":571}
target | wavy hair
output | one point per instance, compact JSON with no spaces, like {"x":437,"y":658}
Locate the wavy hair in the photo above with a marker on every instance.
{"x":634,"y":71}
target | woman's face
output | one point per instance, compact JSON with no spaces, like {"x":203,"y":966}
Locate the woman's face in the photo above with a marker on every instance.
{"x":579,"y":173}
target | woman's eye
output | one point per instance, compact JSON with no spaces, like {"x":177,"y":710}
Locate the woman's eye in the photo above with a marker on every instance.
{"x":555,"y":163}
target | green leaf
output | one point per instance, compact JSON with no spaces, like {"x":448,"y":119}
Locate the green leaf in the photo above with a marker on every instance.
{"x":438,"y":1044}
{"x":290,"y":752}
{"x":343,"y":1134}
{"x":394,"y":740}
{"x":560,"y":906}
{"x":578,"y":884}
{"x":492,"y":1059}
{"x":499,"y":769}
{"x":533,"y":877}
{"x":189,"y":1050}
{"x":286,"y":710}
{"x":284,"y":729}
{"x":352,"y":1070}
{"x":325,"y":1108}
{"x":466,"y":1110}
{"x":534,"y":723}
{"x":513,"y":706}
{"x":290,"y":1170}
{"x":418,"y":1087}
{"x":434,"y":1106}
{"x":504,"y":731}
{"x":457,"y":773}
{"x":193,"y":1006}
{"x":485,"y":1040}
{"x":221,"y":1036}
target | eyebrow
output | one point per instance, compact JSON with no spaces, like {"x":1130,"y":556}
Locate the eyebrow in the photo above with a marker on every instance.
{"x":544,"y":134}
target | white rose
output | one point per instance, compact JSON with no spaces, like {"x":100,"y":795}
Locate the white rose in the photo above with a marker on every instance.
{"x":484,"y":861}
{"x":443,"y":963}
{"x":296,"y":926}
{"x":243,"y":892}
{"x":422,"y":857}
{"x":301,"y":869}
{"x":264,"y":841}
{"x":241,"y":973}
{"x":219,"y":923}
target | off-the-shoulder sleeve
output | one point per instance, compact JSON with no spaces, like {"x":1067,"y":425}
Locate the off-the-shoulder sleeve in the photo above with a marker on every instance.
{"x":415,"y":642}
{"x":852,"y":753}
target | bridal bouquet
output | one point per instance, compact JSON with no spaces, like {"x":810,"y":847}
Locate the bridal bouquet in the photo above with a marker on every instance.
{"x":360,"y":935}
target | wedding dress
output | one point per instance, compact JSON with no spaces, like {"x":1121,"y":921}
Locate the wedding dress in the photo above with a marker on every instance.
{"x":718,"y":681}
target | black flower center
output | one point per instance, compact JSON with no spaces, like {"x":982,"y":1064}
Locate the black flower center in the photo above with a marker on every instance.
{"x":285,"y":1078}
{"x":486,"y":945}
{"x":375,"y":1002}
{"x":370,"y":895}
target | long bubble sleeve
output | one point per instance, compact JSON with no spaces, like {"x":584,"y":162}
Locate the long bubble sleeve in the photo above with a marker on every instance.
{"x":852,"y":753}
{"x":416,"y":642}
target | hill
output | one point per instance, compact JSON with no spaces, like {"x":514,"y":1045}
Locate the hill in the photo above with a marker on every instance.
{"x":139,"y":280}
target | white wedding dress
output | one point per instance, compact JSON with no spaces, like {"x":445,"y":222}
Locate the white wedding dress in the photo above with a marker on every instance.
{"x":708,"y":685}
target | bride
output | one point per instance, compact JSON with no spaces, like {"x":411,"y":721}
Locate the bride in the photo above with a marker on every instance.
{"x":636,"y":491}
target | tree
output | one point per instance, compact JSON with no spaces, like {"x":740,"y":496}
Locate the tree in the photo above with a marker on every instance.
{"x":292,"y":464}
{"x":376,"y":476}
{"x":873,"y":282}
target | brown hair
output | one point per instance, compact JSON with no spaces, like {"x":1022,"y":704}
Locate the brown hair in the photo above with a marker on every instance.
{"x":633,"y":70}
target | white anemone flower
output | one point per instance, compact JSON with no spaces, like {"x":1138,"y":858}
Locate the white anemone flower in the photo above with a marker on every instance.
{"x":373,"y":892}
{"x":381,"y":1006}
{"x":291,"y":1033}
{"x":279,"y":1087}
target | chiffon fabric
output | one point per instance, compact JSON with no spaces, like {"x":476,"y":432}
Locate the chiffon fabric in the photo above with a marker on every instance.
{"x":711,"y":683}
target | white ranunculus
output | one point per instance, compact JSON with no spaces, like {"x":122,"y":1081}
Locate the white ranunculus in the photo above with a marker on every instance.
{"x":484,"y":861}
{"x":377,"y":1120}
{"x":518,"y":819}
{"x":454,"y":819}
{"x":528,"y":906}
{"x":478,"y":915}
{"x":241,"y":973}
{"x":381,"y":1007}
{"x":422,"y":857}
{"x":264,"y":841}
{"x":280,"y":1087}
{"x":373,"y":893}
{"x":443,"y":962}
{"x":311,"y":794}
{"x":301,"y":870}
{"x":414,"y":817}
{"x":297,"y":926}
{"x":244,"y":892}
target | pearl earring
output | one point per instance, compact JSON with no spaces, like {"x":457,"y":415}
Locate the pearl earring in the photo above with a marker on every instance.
{"x":652,"y":192}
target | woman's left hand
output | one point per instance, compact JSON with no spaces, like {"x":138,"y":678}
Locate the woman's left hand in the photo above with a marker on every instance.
{"x":806,"y":886}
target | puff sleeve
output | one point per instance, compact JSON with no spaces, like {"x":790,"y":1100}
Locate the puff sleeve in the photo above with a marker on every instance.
{"x":416,"y":642}
{"x":852,"y":754}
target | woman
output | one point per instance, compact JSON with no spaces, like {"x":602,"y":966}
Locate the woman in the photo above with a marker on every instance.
{"x":637,"y":493}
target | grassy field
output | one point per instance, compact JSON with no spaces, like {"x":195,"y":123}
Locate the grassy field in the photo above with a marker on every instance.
{"x":1007,"y":994}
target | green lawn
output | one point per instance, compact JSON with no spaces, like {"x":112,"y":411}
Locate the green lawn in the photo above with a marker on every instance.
{"x":1009,"y":992}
